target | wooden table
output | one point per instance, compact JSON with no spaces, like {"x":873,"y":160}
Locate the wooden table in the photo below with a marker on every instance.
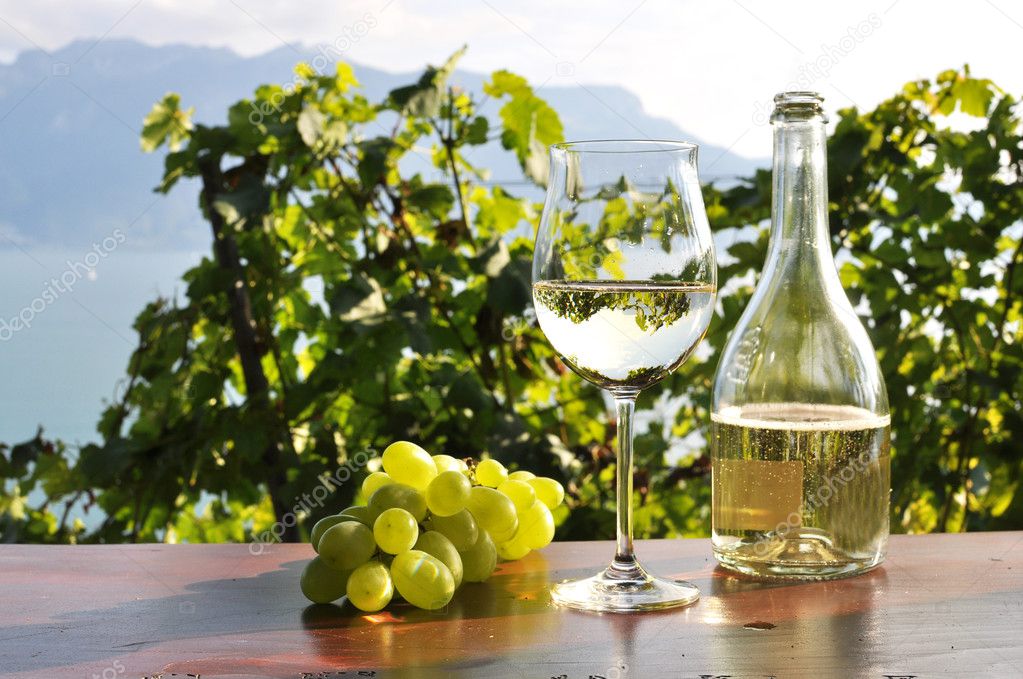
{"x":941,"y":605}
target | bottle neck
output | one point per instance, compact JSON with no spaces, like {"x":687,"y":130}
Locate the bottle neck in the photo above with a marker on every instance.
{"x":799,"y":208}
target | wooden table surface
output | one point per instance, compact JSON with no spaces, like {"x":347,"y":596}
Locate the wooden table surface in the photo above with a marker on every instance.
{"x":942,"y":605}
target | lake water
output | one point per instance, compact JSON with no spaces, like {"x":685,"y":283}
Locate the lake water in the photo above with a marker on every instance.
{"x":66,"y":335}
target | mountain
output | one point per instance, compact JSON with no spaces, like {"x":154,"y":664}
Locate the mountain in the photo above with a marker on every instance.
{"x":71,"y":170}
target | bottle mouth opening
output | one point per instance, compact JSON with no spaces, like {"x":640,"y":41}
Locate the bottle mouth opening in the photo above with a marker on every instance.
{"x":797,"y":105}
{"x":798,"y":98}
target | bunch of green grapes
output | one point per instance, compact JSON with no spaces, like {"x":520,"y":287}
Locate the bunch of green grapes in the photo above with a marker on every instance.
{"x":430,"y":524}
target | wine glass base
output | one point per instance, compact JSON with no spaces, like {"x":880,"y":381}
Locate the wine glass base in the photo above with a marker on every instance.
{"x":623,"y":590}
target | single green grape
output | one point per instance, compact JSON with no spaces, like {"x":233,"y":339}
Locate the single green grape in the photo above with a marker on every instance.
{"x":347,"y":545}
{"x":491,"y":473}
{"x":494,"y":512}
{"x":321,"y":583}
{"x":407,"y":463}
{"x":422,"y":580}
{"x":447,"y":463}
{"x":480,"y":560}
{"x":536,"y":527}
{"x":374,"y":482}
{"x":520,"y":493}
{"x":323,"y":524}
{"x":448,"y":493}
{"x":521,"y":475}
{"x":395,"y":530}
{"x":461,"y":528}
{"x":360,"y":512}
{"x":435,"y":544}
{"x":504,"y":535}
{"x":397,"y":495}
{"x":548,"y":491}
{"x":370,"y":587}
{"x":512,"y":550}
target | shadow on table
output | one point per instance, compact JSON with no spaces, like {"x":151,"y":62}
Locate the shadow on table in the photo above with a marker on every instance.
{"x":97,"y":636}
{"x":268,"y":602}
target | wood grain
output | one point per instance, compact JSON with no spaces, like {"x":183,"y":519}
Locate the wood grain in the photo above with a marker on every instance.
{"x":942,"y":605}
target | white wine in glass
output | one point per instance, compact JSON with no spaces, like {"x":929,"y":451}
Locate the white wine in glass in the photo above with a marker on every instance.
{"x":624,"y":283}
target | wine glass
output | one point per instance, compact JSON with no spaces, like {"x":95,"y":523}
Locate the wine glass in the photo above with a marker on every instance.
{"x":624,"y":282}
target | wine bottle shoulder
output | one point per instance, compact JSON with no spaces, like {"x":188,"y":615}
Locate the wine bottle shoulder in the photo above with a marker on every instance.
{"x":794,"y":346}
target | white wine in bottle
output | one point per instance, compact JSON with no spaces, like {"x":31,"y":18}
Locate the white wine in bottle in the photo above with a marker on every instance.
{"x":798,"y":485}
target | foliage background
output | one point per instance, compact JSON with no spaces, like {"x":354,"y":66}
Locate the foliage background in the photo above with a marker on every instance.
{"x":347,"y":303}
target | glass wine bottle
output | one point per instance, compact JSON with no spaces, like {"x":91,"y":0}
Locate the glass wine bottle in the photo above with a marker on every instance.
{"x":799,"y":419}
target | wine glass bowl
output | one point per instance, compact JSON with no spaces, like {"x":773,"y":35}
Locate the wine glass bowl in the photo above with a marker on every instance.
{"x":624,"y":283}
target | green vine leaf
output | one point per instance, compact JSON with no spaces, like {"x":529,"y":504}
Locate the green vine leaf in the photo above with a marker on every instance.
{"x":167,"y":124}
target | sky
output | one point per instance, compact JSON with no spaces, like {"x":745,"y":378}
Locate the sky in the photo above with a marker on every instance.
{"x":711,"y":67}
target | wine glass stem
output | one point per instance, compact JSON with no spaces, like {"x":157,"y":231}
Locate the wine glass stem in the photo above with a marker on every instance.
{"x":624,"y":557}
